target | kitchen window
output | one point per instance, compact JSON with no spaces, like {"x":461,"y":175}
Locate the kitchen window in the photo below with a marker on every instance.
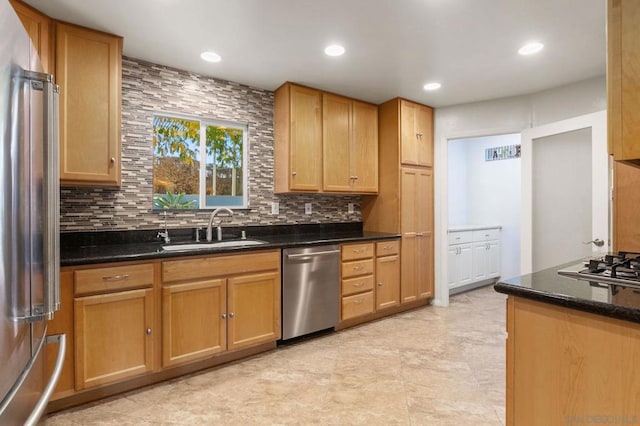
{"x":198,"y":163}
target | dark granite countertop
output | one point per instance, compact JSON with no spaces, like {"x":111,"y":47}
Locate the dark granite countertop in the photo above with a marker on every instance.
{"x":118,"y":246}
{"x":547,"y":286}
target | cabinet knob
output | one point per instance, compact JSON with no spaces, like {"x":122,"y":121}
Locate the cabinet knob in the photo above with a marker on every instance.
{"x":148,"y":331}
{"x":294,"y":173}
{"x":231,"y":315}
{"x":224,"y":316}
{"x":113,"y":160}
{"x":379,"y":284}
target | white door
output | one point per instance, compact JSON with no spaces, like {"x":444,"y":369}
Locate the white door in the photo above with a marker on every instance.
{"x":565,"y":191}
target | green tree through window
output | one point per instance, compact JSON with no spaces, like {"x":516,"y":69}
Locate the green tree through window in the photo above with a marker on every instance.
{"x":181,"y":146}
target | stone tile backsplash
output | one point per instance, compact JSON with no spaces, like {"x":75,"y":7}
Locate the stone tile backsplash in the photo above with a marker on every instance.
{"x":150,"y":88}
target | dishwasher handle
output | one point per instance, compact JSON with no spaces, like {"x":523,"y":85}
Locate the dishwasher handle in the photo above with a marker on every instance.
{"x":311,"y":255}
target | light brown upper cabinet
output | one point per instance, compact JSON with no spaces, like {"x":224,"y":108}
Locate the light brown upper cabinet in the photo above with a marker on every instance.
{"x":298,"y":139}
{"x":623,"y":80}
{"x":89,"y":72}
{"x":38,"y":28}
{"x":350,"y":145}
{"x":417,"y":134}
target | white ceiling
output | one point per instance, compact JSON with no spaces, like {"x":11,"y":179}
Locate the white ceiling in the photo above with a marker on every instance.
{"x":393,"y":47}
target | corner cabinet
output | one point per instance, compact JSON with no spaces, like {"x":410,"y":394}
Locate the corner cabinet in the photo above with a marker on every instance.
{"x":38,"y":26}
{"x":350,"y":145}
{"x":324,"y":142}
{"x":298,"y":139}
{"x":89,"y":72}
{"x":404,"y":203}
{"x":216,"y":304}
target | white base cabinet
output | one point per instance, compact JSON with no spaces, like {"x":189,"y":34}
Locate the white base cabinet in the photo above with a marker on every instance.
{"x":473,"y":255}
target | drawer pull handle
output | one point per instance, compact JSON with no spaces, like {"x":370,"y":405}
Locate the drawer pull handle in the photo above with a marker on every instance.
{"x":387,"y":247}
{"x":116,"y":277}
{"x":358,"y":251}
{"x":358,"y":268}
{"x":486,"y":235}
{"x":360,"y":284}
{"x":358,"y":302}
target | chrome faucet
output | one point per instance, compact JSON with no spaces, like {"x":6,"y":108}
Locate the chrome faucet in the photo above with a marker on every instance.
{"x":218,"y":229}
{"x":165,"y":234}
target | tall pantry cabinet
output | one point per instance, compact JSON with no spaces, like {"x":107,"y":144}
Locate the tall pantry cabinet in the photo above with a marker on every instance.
{"x":405,"y":200}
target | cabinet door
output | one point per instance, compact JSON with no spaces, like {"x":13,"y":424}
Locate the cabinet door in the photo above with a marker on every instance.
{"x":88,"y":70}
{"x":493,"y":259}
{"x":409,"y":202}
{"x":193,"y":321}
{"x":253,"y":309}
{"x":113,"y":337}
{"x":336,"y":140}
{"x":452,"y":265}
{"x":425,"y":265}
{"x":423,"y":193}
{"x":364,"y":148}
{"x":480,"y":261}
{"x":37,"y":26}
{"x":409,"y":136}
{"x":409,"y":270}
{"x":424,"y":132}
{"x":465,"y":264}
{"x":305,"y":148}
{"x":387,"y":282}
{"x":62,"y":323}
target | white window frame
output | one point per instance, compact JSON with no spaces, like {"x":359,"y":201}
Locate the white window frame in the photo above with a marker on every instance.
{"x":204,"y":122}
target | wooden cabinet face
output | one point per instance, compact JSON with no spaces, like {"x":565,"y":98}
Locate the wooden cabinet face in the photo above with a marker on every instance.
{"x":387,"y":282}
{"x":113,"y":337}
{"x":409,"y":202}
{"x":409,"y":269}
{"x":88,"y":70}
{"x":37,"y":26}
{"x":364,"y":148}
{"x":336,"y":143}
{"x":62,"y":323}
{"x":424,"y":125}
{"x":306,"y":139}
{"x":253,"y":309}
{"x":409,"y":138}
{"x":193,"y":321}
{"x":425,"y":265}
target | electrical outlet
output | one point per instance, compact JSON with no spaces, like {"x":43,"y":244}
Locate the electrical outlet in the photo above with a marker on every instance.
{"x":275,"y":208}
{"x":351,"y":208}
{"x":307,"y":208}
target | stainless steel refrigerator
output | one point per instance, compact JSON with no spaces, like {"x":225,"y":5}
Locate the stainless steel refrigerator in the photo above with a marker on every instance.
{"x":29,"y":247}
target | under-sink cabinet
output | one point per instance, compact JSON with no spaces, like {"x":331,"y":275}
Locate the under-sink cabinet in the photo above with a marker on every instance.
{"x":219,"y":303}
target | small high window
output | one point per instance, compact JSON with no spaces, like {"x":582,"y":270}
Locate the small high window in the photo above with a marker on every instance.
{"x":198,"y":163}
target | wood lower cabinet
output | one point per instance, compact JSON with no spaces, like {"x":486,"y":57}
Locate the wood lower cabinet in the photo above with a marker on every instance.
{"x":193,"y":320}
{"x":215,"y":304}
{"x":88,"y":70}
{"x":387,"y":274}
{"x":113,"y":337}
{"x":569,"y":367}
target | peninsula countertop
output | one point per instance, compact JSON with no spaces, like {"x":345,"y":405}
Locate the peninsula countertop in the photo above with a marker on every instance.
{"x":613,"y":301}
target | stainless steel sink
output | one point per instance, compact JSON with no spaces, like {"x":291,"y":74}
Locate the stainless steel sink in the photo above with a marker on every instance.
{"x":217,"y":244}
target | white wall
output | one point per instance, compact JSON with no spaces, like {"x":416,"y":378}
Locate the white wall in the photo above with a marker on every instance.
{"x":501,"y":116}
{"x":491,"y":192}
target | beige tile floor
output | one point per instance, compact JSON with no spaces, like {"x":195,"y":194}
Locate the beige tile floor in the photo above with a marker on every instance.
{"x":431,"y":366}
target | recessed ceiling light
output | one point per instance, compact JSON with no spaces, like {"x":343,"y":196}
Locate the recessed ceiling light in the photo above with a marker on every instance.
{"x":210,"y":56}
{"x":432,"y":86}
{"x":531,"y":48}
{"x":334,"y":50}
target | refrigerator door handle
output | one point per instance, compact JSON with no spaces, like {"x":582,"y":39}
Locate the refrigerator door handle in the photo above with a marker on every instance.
{"x":37,"y":412}
{"x":51,"y":194}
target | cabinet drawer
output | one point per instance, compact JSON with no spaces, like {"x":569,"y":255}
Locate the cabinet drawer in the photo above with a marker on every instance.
{"x":357,"y":285}
{"x":360,"y":304}
{"x":103,"y":280}
{"x":486,"y":234}
{"x":359,"y":267}
{"x":384,"y":248}
{"x":460,"y":237}
{"x":357,"y":251}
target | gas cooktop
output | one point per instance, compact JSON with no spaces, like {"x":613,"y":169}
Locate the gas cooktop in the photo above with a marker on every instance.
{"x":621,"y":269}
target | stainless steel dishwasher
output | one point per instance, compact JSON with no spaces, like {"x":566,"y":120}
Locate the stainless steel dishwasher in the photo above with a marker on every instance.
{"x":310,"y":289}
